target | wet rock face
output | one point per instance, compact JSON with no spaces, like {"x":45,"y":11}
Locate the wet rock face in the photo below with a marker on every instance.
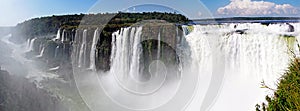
{"x":290,"y":28}
{"x":50,"y":52}
{"x":169,"y":33}
{"x":17,"y":94}
{"x":56,"y":51}
{"x":159,"y":42}
{"x":241,"y":31}
{"x":103,"y":53}
{"x":155,"y":51}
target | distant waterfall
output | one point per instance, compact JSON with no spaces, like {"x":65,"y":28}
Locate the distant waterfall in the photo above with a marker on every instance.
{"x":93,"y":50}
{"x":31,"y":44}
{"x":76,"y":47}
{"x":56,"y":52}
{"x":83,"y":49}
{"x":41,"y":53}
{"x":63,"y":36}
{"x":28,"y":43}
{"x":58,"y":35}
{"x":158,"y":46}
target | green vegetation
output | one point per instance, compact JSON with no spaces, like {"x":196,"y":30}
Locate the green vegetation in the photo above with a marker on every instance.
{"x":190,"y":28}
{"x":290,"y":40}
{"x":110,"y":22}
{"x":287,"y":95}
{"x":47,"y":27}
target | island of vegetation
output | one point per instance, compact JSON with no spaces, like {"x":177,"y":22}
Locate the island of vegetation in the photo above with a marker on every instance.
{"x":287,"y":95}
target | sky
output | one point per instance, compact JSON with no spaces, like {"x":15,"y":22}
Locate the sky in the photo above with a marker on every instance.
{"x":16,"y":11}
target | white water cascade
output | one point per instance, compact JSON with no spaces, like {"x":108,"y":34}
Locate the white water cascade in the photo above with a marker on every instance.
{"x":41,"y":53}
{"x":126,"y":79}
{"x":221,"y":66}
{"x":58,"y":35}
{"x":31,"y":44}
{"x":28,"y":43}
{"x":125,"y":52}
{"x":260,"y":54}
{"x":158,"y":46}
{"x":82,"y":52}
{"x":93,"y":50}
{"x":56,"y":52}
{"x":63,"y":36}
{"x":76,"y":47}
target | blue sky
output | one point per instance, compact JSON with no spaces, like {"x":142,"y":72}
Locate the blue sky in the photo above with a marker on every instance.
{"x":15,"y":11}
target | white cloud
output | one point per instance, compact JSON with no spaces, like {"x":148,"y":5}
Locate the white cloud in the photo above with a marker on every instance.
{"x":256,"y":8}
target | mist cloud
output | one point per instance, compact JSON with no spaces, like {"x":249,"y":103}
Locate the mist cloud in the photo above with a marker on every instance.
{"x":257,"y":8}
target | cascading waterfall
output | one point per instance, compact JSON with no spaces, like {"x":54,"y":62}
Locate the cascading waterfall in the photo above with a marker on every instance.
{"x":158,"y":46}
{"x":259,"y":54}
{"x":28,"y":43}
{"x":41,"y":46}
{"x":26,"y":76}
{"x":125,"y":53}
{"x":252,"y":53}
{"x":76,"y":47}
{"x":197,"y":59}
{"x":296,"y":26}
{"x":63,"y":36}
{"x":93,"y":50}
{"x":31,"y":46}
{"x":58,"y":35}
{"x":127,"y":78}
{"x":82,"y":52}
{"x":41,"y":53}
{"x":56,"y":52}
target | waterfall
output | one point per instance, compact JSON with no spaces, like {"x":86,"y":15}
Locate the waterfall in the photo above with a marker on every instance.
{"x":28,"y":43}
{"x":133,"y":75}
{"x":56,"y":52}
{"x":196,"y":55}
{"x":41,"y":53}
{"x":73,"y":35}
{"x":93,"y":50}
{"x":63,"y":36}
{"x":76,"y":47}
{"x":82,"y":52}
{"x":185,"y":30}
{"x":239,"y":55}
{"x":31,"y":46}
{"x":125,"y":56}
{"x":58,"y":35}
{"x":158,"y":46}
{"x":259,"y":53}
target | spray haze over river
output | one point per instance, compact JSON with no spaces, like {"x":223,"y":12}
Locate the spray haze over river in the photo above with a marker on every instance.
{"x":249,"y":53}
{"x":148,"y":61}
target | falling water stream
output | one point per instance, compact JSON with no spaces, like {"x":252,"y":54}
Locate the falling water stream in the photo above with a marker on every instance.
{"x":251,"y":53}
{"x":83,"y":50}
{"x":93,"y":52}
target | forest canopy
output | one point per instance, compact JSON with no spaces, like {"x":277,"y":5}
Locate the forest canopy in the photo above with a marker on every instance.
{"x":48,"y":26}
